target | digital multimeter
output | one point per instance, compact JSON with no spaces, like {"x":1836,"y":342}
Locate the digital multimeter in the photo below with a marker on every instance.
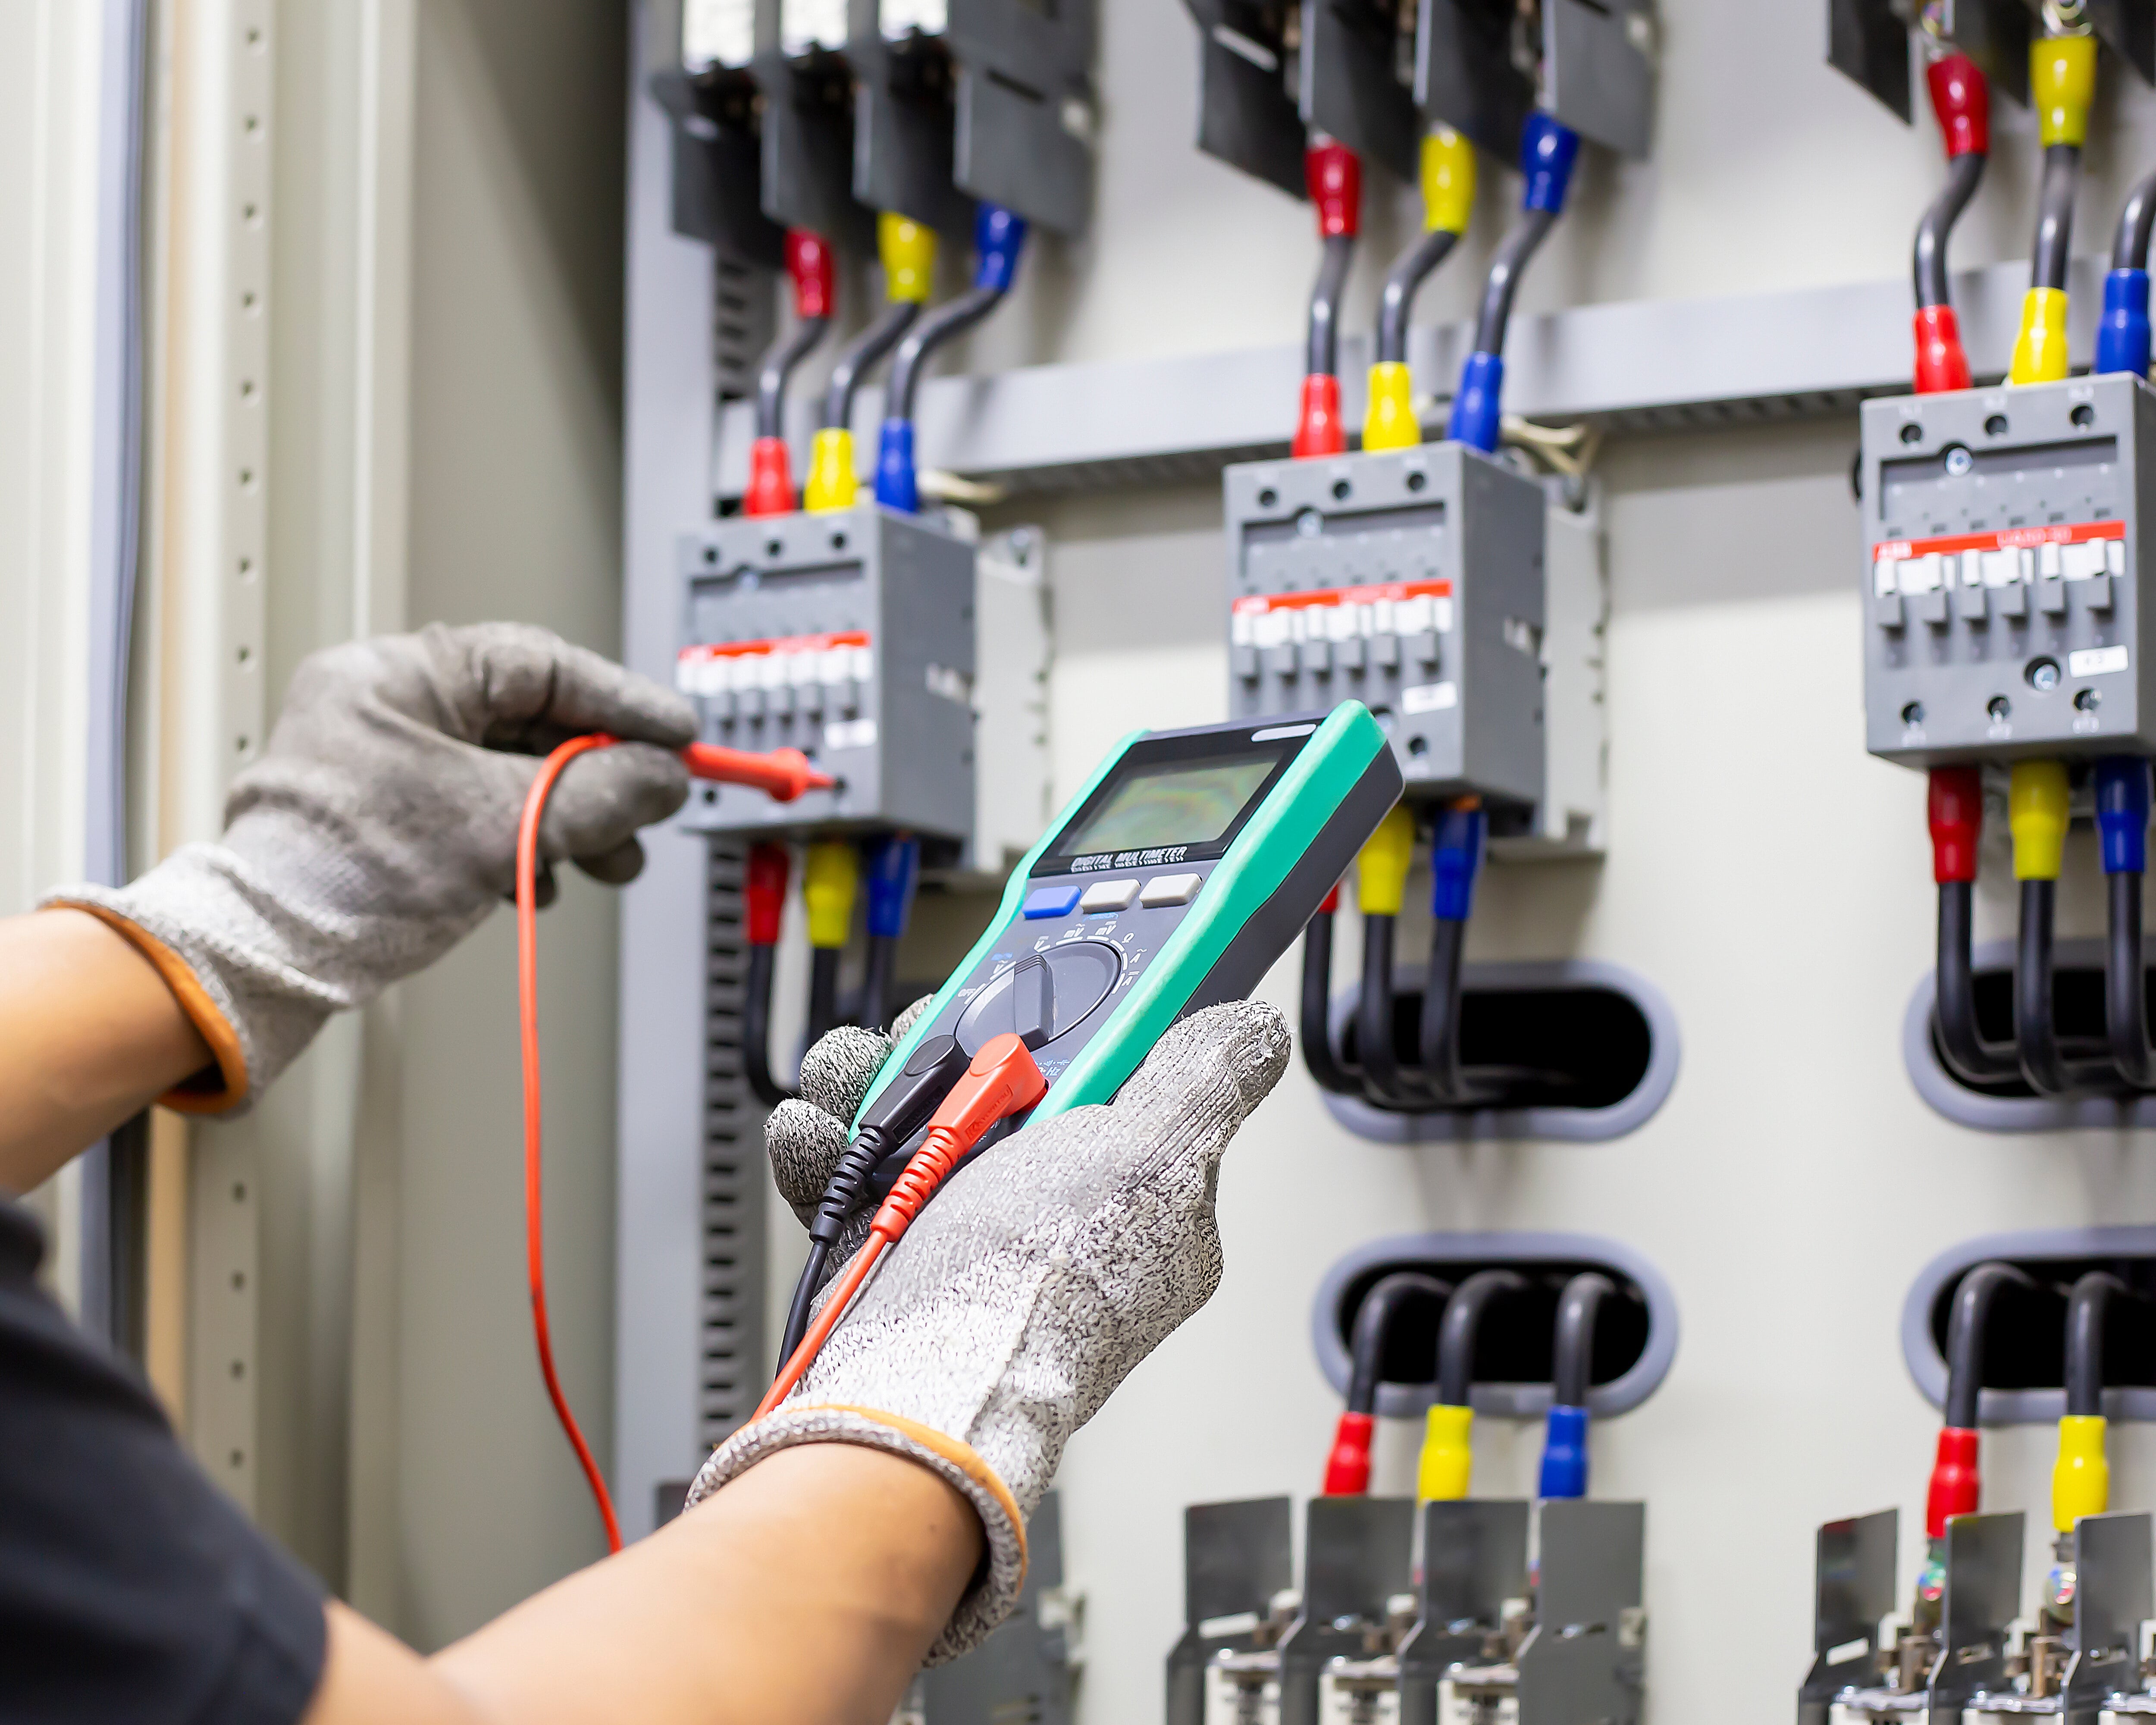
{"x":1176,"y":878}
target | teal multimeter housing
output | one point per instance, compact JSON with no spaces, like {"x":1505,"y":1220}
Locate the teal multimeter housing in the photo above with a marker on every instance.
{"x":1187,"y":866}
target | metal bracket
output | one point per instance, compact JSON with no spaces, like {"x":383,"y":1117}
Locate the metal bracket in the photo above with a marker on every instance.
{"x":1248,"y":114}
{"x":1587,"y":1656}
{"x":718,"y":154}
{"x":1237,"y":1557}
{"x":1599,"y":70}
{"x":1024,"y":100}
{"x":1868,"y":43}
{"x":1352,"y":89}
{"x":1475,"y":1559}
{"x":1853,"y":1591}
{"x":808,"y":161}
{"x":2114,"y":1594}
{"x":1356,"y":1554}
{"x":1464,"y":74}
{"x":906,"y":124}
{"x":1982,"y":1595}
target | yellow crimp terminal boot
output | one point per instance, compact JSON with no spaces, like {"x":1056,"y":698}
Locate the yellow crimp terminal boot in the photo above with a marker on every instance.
{"x":828,"y":883}
{"x":2040,"y":351}
{"x":2081,"y":1478}
{"x":1390,"y":421}
{"x":2037,"y":812}
{"x":2062,"y":87}
{"x":1381,"y":871}
{"x":832,"y":484}
{"x":1447,"y":1457}
{"x":908,"y":251}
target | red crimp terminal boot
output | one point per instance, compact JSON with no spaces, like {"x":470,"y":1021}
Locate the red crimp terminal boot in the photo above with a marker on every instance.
{"x":1962,"y":100}
{"x":764,"y":893}
{"x":1319,"y":430}
{"x":1953,"y":802}
{"x":770,"y":479}
{"x":814,"y":273}
{"x":1348,"y":1468}
{"x":1957,"y":1487}
{"x":1334,"y":175}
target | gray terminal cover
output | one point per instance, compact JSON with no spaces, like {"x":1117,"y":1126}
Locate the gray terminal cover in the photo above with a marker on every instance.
{"x":847,"y":635}
{"x":2001,"y":572}
{"x":1411,"y":580}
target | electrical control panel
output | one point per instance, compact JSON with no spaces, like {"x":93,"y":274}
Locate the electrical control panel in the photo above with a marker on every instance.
{"x":1413,"y":580}
{"x":2003,"y":612}
{"x":850,"y":636}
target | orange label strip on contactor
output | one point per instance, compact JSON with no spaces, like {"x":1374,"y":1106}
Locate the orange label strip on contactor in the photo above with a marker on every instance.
{"x":1899,"y":550}
{"x":1258,"y":605}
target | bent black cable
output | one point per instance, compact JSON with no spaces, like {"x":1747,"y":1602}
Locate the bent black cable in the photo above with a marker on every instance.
{"x":1441,"y":1073}
{"x":2129,"y":246}
{"x":1967,"y":1055}
{"x":862,"y":356}
{"x":2054,"y":217}
{"x":1375,"y":1049}
{"x":1461,"y":1328}
{"x":1320,"y":1058}
{"x":2087,"y":1308}
{"x":756,"y":1028}
{"x":1323,"y":348}
{"x":2125,"y":985}
{"x":779,"y":364}
{"x":1578,"y":1307}
{"x":1402,"y":283}
{"x":943,"y":326}
{"x":1962,"y":176}
{"x":1374,"y":1317}
{"x":823,"y":991}
{"x":2044,"y":1063}
{"x":1503,"y":281}
{"x":1965,"y":1333}
{"x":876,"y":982}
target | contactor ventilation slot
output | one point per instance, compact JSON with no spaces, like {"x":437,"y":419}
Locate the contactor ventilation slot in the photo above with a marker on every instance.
{"x":1574,"y":1050}
{"x":1634,"y":1335}
{"x":2024,"y":1345}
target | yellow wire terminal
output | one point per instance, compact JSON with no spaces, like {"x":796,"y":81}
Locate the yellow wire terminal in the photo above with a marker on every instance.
{"x":2081,"y":1478}
{"x":908,"y":250}
{"x":1448,"y":1455}
{"x":2039,"y":351}
{"x":1381,"y":871}
{"x":2061,"y":87}
{"x":1390,"y":422}
{"x":831,"y":483}
{"x":828,"y":883}
{"x":1448,"y":180}
{"x":2037,"y":812}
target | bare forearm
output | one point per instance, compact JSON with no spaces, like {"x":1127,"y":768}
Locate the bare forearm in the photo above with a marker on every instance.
{"x":89,"y":1036}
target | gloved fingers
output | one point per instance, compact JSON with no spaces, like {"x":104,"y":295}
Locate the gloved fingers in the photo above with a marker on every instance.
{"x":804,"y":1144}
{"x":836,"y":1073}
{"x":523,"y":687}
{"x":617,"y":867}
{"x":902,"y":1027}
{"x":1205,"y":1077}
{"x":604,"y":797}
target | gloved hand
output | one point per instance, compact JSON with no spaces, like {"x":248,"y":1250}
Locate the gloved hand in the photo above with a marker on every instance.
{"x":1031,"y":1284}
{"x":379,"y":828}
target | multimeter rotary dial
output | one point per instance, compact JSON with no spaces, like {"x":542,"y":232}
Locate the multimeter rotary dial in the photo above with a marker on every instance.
{"x":1085,"y":972}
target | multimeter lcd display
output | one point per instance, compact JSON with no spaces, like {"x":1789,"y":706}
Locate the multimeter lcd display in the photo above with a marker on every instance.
{"x":1172,"y":803}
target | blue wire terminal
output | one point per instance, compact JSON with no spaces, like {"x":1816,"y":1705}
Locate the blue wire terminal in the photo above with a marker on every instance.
{"x":1455,"y":859}
{"x":2122,"y":813}
{"x":2123,"y":339}
{"x":893,"y":875}
{"x":1564,"y":1454}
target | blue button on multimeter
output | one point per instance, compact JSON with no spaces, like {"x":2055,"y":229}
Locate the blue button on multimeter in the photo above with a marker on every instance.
{"x":1052,"y":901}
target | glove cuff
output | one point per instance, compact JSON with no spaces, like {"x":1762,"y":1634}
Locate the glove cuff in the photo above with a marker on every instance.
{"x":994,"y":1593}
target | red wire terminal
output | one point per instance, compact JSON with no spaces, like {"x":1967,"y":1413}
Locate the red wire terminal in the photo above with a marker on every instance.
{"x":1333,"y":173}
{"x":1953,"y":802}
{"x":1348,"y":1468}
{"x":1332,"y":903}
{"x":1962,"y":100}
{"x":1942,"y":361}
{"x":765,"y":893}
{"x":1319,"y":430}
{"x":1957,"y":1487}
{"x":814,"y":273}
{"x":770,"y":479}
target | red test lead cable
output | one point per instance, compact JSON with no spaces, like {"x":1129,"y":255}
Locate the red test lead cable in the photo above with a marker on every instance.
{"x":1002,"y":1080}
{"x":785,"y":773}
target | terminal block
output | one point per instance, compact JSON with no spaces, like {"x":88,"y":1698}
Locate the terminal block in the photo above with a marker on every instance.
{"x":847,"y":635}
{"x":2003,"y":614}
{"x":1418,"y":581}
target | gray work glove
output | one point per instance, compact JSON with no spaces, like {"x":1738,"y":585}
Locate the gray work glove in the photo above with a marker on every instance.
{"x":379,"y":828}
{"x":1031,"y":1284}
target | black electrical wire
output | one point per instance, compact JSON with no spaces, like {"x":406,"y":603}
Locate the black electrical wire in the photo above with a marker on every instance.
{"x":1972,"y":1059}
{"x":1406,"y":277}
{"x":2125,"y":989}
{"x":944,"y":325}
{"x":1965,"y":1328}
{"x":778,"y":366}
{"x":1577,"y":1309}
{"x":1462,"y":1327}
{"x":2054,"y":217}
{"x":1503,"y":281}
{"x":756,"y":1028}
{"x":1375,"y":1318}
{"x":2129,"y":247}
{"x":1375,"y":1050}
{"x":1933,"y":232}
{"x":2044,"y":1063}
{"x":1441,"y":1073}
{"x":861,"y":357}
{"x":1324,"y":344}
{"x":874,"y":1012}
{"x":2087,"y":1308}
{"x":1320,"y":1058}
{"x":823,"y":991}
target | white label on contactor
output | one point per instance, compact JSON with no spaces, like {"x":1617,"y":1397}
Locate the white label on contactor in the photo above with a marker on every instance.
{"x":849,"y":734}
{"x":2096,"y":661}
{"x":1435,"y":697}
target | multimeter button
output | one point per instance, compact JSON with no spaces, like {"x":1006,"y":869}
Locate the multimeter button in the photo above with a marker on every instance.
{"x":1164,"y":890}
{"x":1084,"y":973}
{"x":1051,"y":901}
{"x":1109,"y":895}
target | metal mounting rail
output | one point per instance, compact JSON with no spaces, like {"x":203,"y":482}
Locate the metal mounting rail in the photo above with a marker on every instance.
{"x":1653,"y":365}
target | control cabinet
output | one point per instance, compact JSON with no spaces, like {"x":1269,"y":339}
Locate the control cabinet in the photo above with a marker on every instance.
{"x":1413,"y":580}
{"x":850,"y":636}
{"x":2002,"y":573}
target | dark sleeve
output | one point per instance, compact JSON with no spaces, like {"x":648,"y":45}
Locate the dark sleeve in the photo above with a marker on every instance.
{"x":131,"y":1589}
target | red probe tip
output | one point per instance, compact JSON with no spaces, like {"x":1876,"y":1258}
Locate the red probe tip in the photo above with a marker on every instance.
{"x":783,"y":774}
{"x":1953,"y":803}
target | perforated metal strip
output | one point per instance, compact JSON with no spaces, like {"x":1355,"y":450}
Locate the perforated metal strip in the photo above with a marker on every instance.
{"x":732,"y":1369}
